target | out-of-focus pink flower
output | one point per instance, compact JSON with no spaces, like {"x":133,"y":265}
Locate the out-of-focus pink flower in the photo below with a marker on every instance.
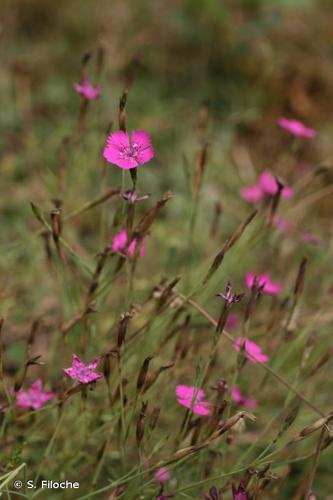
{"x":296,"y":128}
{"x":162,"y":474}
{"x":281,"y":223}
{"x":265,"y":187}
{"x":264,"y":281}
{"x":33,"y":397}
{"x":119,"y":244}
{"x":126,"y":152}
{"x":243,"y":400}
{"x":83,"y":373}
{"x":86,"y":90}
{"x":185,"y":395}
{"x":310,"y":238}
{"x":252,"y":194}
{"x":232,"y":322}
{"x":253,"y":351}
{"x":239,"y":493}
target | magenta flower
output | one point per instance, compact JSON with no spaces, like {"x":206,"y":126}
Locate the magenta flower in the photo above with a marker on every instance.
{"x":243,"y":400}
{"x":281,"y":224}
{"x":253,"y":352}
{"x":310,"y":238}
{"x":33,"y":397}
{"x":266,"y":186}
{"x":296,"y":128}
{"x":83,"y":373}
{"x":86,"y":90}
{"x":119,"y":244}
{"x":232,"y":322}
{"x":185,"y":395}
{"x":264,"y":281}
{"x":162,"y":474}
{"x":127,"y":152}
{"x":240,"y":492}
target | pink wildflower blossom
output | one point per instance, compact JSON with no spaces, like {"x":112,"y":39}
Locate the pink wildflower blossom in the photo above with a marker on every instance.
{"x":86,"y":90}
{"x":253,"y":351}
{"x":239,"y":493}
{"x":162,"y":474}
{"x":185,"y":395}
{"x":265,"y":187}
{"x":126,"y":152}
{"x":310,"y":238}
{"x":232,"y":322}
{"x":241,"y":400}
{"x":296,"y":128}
{"x":83,"y":373}
{"x":264,"y":281}
{"x":119,"y":244}
{"x":281,"y":224}
{"x":33,"y":397}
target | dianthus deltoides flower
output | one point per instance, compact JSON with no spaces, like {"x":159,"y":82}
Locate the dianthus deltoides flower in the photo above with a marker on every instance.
{"x":33,"y":397}
{"x":87,"y":90}
{"x":296,"y":128}
{"x":162,"y":474}
{"x":119,"y":244}
{"x":253,"y":351}
{"x":185,"y":396}
{"x":239,"y":493}
{"x":266,"y":186}
{"x":83,"y":373}
{"x":128,"y":152}
{"x":265,"y":282}
{"x":241,"y":400}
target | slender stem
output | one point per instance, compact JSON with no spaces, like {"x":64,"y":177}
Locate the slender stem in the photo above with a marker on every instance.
{"x":276,"y":375}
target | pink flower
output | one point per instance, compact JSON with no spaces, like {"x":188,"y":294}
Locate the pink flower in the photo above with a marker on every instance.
{"x":33,"y":397}
{"x":232,"y":322}
{"x":81,"y":372}
{"x":265,"y":187}
{"x":243,"y":400}
{"x":253,"y":352}
{"x":162,"y":474}
{"x":264,"y":280}
{"x":185,"y":395}
{"x":281,"y":223}
{"x":86,"y":90}
{"x":119,"y":244}
{"x":240,"y":492}
{"x":310,"y":238}
{"x":128,"y":153}
{"x":296,"y":128}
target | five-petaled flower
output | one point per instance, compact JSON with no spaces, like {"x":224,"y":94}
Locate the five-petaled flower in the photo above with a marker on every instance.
{"x":162,"y":474}
{"x":192,"y":397}
{"x":296,"y":128}
{"x":263,"y":281}
{"x":241,"y":400}
{"x":253,"y":352}
{"x":120,"y":245}
{"x":87,"y":90}
{"x":33,"y":397}
{"x":267,"y":186}
{"x":128,"y":152}
{"x":83,"y":373}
